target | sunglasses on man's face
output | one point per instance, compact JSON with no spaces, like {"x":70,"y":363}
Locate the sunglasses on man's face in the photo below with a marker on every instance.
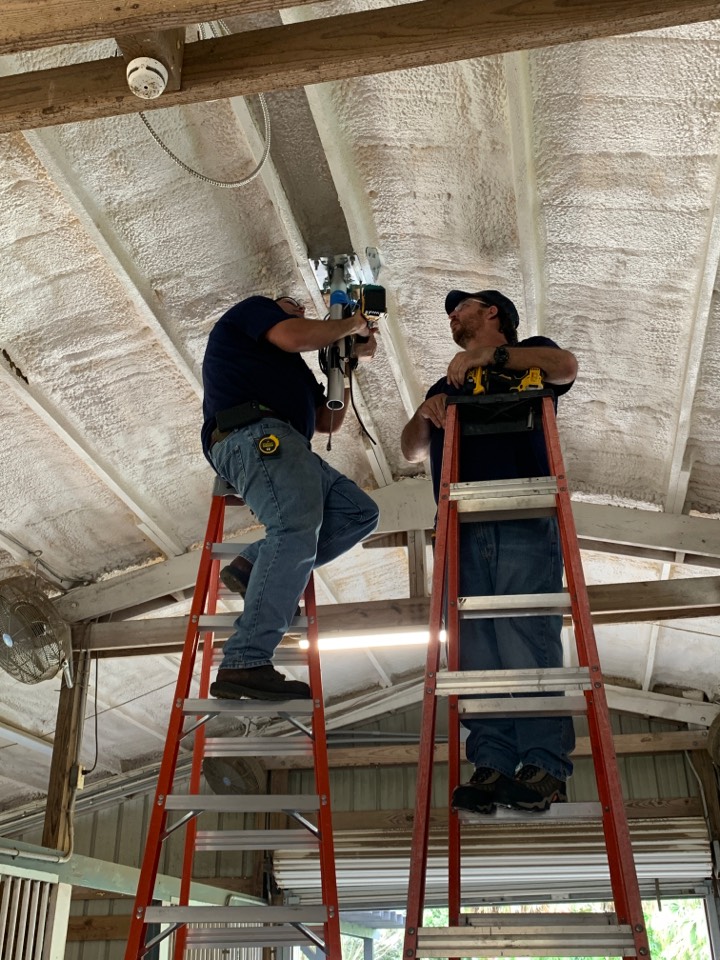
{"x":470,"y":300}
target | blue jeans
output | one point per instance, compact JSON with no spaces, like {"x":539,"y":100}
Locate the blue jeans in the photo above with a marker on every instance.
{"x":311,"y":513}
{"x":496,"y":558}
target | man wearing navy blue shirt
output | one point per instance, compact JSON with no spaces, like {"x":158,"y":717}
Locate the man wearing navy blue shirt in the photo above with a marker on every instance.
{"x":518,"y":763}
{"x":261,"y":407}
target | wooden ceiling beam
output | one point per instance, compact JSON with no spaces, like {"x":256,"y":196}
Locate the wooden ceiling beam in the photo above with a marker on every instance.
{"x":640,"y":602}
{"x":333,"y":48}
{"x":403,"y":755}
{"x":29,"y":25}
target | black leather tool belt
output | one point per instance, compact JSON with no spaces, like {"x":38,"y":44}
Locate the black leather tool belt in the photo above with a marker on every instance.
{"x":242,"y":415}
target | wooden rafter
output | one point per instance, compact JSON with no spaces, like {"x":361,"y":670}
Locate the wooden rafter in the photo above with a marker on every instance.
{"x":640,"y":602}
{"x":29,"y":25}
{"x":398,"y":755}
{"x":358,"y":44}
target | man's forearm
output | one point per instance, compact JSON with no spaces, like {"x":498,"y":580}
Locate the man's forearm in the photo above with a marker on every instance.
{"x":297,"y":334}
{"x":560,"y":366}
{"x":415,"y":439}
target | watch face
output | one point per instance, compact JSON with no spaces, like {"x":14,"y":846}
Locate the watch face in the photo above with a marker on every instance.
{"x":501,"y":357}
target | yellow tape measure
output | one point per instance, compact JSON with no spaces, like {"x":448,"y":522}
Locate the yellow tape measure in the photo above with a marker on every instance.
{"x":269,"y":444}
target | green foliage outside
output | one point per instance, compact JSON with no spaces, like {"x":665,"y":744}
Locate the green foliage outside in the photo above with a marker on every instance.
{"x":677,"y":931}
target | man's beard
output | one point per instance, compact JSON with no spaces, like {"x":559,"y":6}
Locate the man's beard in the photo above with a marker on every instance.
{"x":461,"y":335}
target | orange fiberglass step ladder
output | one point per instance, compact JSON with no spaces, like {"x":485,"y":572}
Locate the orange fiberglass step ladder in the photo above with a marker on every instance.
{"x":196,"y":928}
{"x":623,"y":932}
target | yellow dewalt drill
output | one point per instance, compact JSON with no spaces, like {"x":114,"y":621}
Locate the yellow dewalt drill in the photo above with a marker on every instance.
{"x":495,"y":380}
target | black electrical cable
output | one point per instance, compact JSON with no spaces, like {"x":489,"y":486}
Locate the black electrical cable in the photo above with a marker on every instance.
{"x":95,"y":762}
{"x":359,"y":418}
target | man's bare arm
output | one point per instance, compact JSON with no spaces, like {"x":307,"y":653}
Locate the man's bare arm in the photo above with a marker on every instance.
{"x":559,"y":366}
{"x":297,"y":334}
{"x":415,"y":438}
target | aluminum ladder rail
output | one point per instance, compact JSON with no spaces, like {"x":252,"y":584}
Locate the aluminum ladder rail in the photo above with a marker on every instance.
{"x":489,"y":935}
{"x":261,"y":925}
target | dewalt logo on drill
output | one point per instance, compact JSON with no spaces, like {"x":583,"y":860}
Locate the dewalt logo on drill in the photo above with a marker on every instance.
{"x":269,"y":445}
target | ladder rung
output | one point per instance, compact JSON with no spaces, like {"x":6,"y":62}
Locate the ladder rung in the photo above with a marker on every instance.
{"x":492,"y":935}
{"x":247,"y":707}
{"x":256,"y":914}
{"x":570,"y":705}
{"x":228,"y":548}
{"x":523,"y":498}
{"x":539,"y":919}
{"x":507,"y":508}
{"x":284,"y":656}
{"x":515,"y":605}
{"x":517,"y":486}
{"x":236,"y":803}
{"x":555,"y":812}
{"x":255,"y":840}
{"x":463,"y":682}
{"x":225,"y":621}
{"x":258,"y":746}
{"x":199,"y":938}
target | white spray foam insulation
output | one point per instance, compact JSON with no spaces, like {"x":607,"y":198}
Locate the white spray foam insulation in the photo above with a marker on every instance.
{"x":623,"y":137}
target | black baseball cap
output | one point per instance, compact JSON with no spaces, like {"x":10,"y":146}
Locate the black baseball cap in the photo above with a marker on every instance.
{"x":492,"y":297}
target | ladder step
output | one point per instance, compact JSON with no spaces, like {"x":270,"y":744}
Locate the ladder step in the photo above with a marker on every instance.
{"x":285,"y":655}
{"x":557,"y":812}
{"x":550,"y":679}
{"x":515,"y":605}
{"x":247,"y":707}
{"x":569,"y":705}
{"x":258,"y":746}
{"x":539,"y":919}
{"x":227,"y":548}
{"x":225,"y":621}
{"x":255,"y":840}
{"x":236,"y":803}
{"x":490,"y":935}
{"x":225,"y":939}
{"x":512,"y":487}
{"x":507,"y":508}
{"x":524,"y":498}
{"x":258,"y":914}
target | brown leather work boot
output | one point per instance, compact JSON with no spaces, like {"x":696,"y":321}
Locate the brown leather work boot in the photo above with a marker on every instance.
{"x":258,"y":683}
{"x":236,"y":575}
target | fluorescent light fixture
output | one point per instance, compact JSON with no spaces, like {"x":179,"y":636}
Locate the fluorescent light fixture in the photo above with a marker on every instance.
{"x":414,"y":638}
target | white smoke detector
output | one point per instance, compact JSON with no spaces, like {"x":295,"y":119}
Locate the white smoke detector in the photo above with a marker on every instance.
{"x":146,"y":77}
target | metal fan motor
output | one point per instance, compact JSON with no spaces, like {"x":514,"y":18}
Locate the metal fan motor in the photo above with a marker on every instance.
{"x":236,"y":775}
{"x":35,"y":644}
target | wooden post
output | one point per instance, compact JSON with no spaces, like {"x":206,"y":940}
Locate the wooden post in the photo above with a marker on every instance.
{"x":705,"y":770}
{"x":57,"y":831}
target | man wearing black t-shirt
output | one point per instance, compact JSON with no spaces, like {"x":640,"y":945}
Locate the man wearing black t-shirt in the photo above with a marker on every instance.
{"x":518,"y":763}
{"x":261,"y":407}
